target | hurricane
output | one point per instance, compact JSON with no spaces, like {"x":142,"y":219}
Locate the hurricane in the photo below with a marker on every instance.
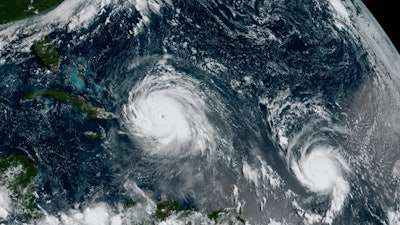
{"x":167,"y":113}
{"x":318,"y":165}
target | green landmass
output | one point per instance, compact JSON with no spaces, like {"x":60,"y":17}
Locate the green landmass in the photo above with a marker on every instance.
{"x":220,"y":215}
{"x":11,"y":10}
{"x":166,"y":208}
{"x":47,"y":53}
{"x":129,"y":204}
{"x":91,"y":135}
{"x":17,"y":175}
{"x":78,"y":101}
{"x":214,"y":215}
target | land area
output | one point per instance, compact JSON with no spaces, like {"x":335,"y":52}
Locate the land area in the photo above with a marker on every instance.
{"x":84,"y":106}
{"x":11,"y":10}
{"x":17,"y":175}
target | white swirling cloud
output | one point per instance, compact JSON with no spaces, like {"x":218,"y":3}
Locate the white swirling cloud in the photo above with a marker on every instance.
{"x":166,"y":112}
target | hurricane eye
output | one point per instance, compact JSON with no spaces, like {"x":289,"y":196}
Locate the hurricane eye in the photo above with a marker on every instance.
{"x":321,"y":170}
{"x":169,"y":119}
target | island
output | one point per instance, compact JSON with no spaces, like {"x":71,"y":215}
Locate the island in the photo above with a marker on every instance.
{"x":91,"y":135}
{"x":78,"y":101}
{"x":17,"y":184}
{"x":167,"y":208}
{"x":47,"y":53}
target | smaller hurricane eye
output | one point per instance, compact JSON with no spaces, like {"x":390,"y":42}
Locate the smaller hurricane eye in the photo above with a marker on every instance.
{"x":322,"y":170}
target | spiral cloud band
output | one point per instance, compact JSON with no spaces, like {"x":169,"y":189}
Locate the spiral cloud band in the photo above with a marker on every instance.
{"x":320,"y":170}
{"x":166,"y":114}
{"x":319,"y":166}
